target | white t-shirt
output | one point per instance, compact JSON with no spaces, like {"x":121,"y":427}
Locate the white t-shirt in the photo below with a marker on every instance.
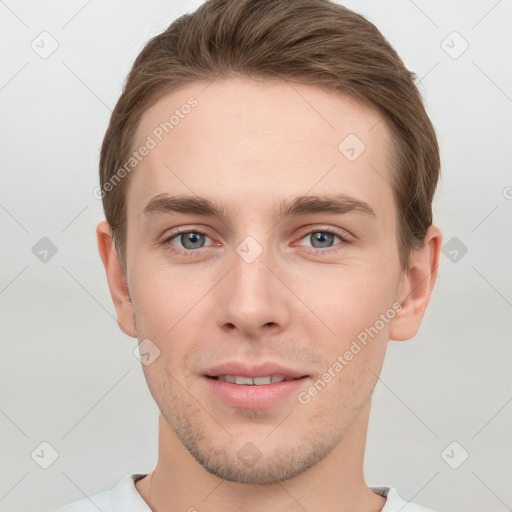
{"x":124,"y":497}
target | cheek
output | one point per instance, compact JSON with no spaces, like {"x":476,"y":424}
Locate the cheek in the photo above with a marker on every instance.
{"x":165,"y":298}
{"x":347,"y":299}
{"x":352,"y":363}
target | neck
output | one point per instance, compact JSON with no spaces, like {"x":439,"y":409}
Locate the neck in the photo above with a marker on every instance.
{"x":336,"y":483}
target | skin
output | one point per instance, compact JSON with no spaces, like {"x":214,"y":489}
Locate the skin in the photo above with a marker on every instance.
{"x":249,"y":144}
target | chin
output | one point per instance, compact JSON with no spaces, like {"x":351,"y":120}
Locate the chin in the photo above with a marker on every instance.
{"x":249,"y":465}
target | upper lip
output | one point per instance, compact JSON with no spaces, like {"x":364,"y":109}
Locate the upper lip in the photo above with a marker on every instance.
{"x":254,"y":370}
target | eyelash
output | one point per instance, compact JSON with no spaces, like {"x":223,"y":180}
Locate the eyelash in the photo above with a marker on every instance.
{"x":192,"y":252}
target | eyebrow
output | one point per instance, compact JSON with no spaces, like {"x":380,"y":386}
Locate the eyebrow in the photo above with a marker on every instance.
{"x":335,"y":204}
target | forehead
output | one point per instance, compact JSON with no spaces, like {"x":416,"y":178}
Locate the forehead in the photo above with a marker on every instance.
{"x":252,"y":142}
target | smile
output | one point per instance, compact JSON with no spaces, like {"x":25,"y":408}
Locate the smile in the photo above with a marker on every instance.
{"x":251,"y":381}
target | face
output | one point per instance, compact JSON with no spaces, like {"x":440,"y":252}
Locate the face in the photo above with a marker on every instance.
{"x":246,"y":276}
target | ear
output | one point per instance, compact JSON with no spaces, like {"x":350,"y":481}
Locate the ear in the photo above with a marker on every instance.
{"x":116,"y":279}
{"x":416,"y":287}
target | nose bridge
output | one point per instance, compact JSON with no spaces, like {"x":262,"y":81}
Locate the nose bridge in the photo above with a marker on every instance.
{"x":253,"y":296}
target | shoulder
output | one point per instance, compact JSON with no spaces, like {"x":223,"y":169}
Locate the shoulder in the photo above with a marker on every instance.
{"x":116,"y":499}
{"x":395,"y":503}
{"x":101,"y":501}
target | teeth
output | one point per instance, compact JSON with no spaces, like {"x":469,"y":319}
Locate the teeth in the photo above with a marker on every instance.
{"x":248,"y":381}
{"x":243,"y":380}
{"x":262,"y":380}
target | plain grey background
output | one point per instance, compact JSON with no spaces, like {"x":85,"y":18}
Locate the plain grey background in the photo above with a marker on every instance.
{"x":69,"y":377}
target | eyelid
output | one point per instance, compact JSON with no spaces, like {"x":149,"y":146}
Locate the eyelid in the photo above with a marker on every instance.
{"x":345,"y":235}
{"x":326,"y":251}
{"x":308,"y":230}
{"x":187,"y":229}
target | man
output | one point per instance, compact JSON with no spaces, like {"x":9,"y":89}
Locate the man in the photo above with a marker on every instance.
{"x":267,"y":179}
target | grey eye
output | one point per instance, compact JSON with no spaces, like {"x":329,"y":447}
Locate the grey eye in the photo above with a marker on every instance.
{"x":323,"y":238}
{"x":192,"y":240}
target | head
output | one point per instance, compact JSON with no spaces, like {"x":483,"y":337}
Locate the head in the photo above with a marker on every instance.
{"x":242,"y":107}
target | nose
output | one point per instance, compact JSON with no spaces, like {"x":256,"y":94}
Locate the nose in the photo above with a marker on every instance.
{"x":252,"y":299}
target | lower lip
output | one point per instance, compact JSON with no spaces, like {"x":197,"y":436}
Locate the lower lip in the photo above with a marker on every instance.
{"x":254,"y":397}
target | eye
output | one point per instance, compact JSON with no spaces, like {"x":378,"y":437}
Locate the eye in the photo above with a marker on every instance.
{"x":185,"y":241}
{"x":322,"y":240}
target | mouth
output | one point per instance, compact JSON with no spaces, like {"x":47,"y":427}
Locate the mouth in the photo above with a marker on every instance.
{"x":242,"y":380}
{"x":262,"y":386}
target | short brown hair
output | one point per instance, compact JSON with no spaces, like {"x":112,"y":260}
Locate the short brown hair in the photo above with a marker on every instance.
{"x":312,"y":42}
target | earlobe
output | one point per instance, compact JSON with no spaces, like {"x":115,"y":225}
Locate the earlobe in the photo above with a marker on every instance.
{"x":416,"y":287}
{"x":116,"y":279}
